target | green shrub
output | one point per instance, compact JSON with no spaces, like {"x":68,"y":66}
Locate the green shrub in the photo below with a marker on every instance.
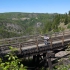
{"x":13,"y":62}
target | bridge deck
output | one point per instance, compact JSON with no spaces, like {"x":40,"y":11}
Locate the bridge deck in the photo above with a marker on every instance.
{"x":31,"y":45}
{"x":42,"y":44}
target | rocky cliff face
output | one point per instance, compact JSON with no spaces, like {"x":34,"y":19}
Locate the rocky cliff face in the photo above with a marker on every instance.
{"x":13,"y":26}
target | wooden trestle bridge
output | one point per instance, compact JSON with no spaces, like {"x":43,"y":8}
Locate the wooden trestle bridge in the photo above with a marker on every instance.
{"x":34,"y":46}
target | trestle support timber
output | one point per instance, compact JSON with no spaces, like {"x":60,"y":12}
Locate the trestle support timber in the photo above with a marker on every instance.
{"x":45,"y":58}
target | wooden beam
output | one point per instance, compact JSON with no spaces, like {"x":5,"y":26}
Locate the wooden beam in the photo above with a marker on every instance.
{"x":49,"y":62}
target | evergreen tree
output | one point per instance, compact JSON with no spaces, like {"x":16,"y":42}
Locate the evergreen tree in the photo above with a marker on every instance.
{"x":56,"y":22}
{"x":69,"y":13}
{"x":66,"y":19}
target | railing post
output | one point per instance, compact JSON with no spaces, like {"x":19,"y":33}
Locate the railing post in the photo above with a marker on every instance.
{"x":63,"y":39}
{"x":20,"y":48}
{"x":55,"y":34}
{"x":9,"y":41}
{"x":51,"y":42}
{"x":37,"y":43}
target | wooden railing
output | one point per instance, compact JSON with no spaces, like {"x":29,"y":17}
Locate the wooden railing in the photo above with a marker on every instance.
{"x":26,"y":41}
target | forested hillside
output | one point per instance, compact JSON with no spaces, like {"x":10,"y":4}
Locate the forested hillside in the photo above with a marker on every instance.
{"x":18,"y":24}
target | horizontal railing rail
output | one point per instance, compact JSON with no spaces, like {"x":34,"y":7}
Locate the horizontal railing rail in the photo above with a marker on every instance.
{"x":27,"y":41}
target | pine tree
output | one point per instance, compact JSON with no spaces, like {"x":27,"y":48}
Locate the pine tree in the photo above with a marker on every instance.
{"x":69,"y":13}
{"x":66,"y":19}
